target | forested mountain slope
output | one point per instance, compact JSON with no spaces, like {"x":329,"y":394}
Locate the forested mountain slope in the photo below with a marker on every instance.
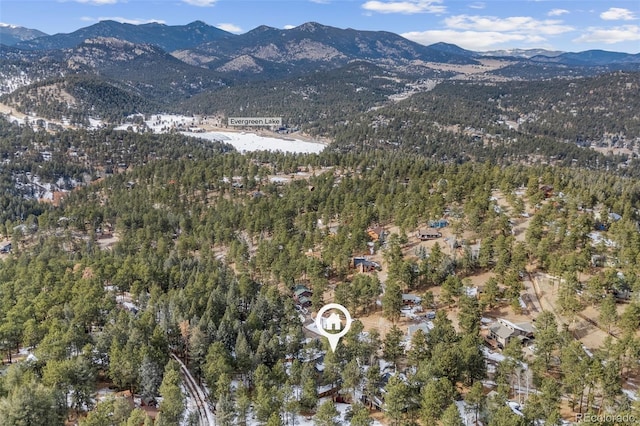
{"x":234,"y":319}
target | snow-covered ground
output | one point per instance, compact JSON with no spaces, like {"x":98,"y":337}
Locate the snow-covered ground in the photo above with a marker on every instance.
{"x":242,"y":141}
{"x":161,"y":123}
{"x":248,"y":142}
{"x":309,"y":421}
{"x":95,"y":123}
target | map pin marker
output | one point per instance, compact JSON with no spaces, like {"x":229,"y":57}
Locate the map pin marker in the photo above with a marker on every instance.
{"x":325,"y":326}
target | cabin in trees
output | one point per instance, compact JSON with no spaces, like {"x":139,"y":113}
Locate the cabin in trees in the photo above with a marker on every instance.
{"x":411,"y":299}
{"x":302,"y":295}
{"x":377,"y":234}
{"x":614,"y":217}
{"x":365,"y":265}
{"x":425,"y":327}
{"x":547,"y":190}
{"x":428,"y":234}
{"x":598,"y":260}
{"x":438,"y":224}
{"x":504,"y":330}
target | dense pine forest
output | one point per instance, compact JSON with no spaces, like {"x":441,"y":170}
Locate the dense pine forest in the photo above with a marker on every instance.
{"x":477,"y":214}
{"x":208,"y":249}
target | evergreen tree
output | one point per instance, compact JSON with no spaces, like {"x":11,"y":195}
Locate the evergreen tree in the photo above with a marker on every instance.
{"x":393,"y":350}
{"x":171,"y":408}
{"x":360,"y":415}
{"x":608,"y":313}
{"x":475,"y":399}
{"x":327,"y":414}
{"x":150,"y":377}
{"x":309,"y":396}
{"x":395,"y":401}
{"x":451,"y":416}
{"x":392,"y":301}
{"x":437,"y":395}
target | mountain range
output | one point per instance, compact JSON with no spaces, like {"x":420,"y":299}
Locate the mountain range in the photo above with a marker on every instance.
{"x":166,"y":37}
{"x":168,"y":66}
{"x":204,"y":45}
{"x":13,"y":34}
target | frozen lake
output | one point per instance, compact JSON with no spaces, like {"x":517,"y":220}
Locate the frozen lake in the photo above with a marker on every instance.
{"x":247,"y":142}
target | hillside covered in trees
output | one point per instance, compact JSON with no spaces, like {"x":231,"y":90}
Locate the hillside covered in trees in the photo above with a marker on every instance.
{"x":207,"y":248}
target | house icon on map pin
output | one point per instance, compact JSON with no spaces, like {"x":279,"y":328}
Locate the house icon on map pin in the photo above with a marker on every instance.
{"x":333,"y":322}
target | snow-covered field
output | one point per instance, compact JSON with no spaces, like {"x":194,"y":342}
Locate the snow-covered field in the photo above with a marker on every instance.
{"x":247,"y":142}
{"x":160,"y":123}
{"x":242,"y":141}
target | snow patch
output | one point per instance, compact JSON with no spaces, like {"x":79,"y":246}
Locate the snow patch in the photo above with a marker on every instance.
{"x":249,"y":142}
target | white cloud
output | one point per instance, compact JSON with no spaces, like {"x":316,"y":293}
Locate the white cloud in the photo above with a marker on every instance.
{"x":133,"y":21}
{"x":557,"y":12}
{"x":407,"y":7}
{"x":617,"y":14}
{"x":625,"y":33}
{"x":201,"y":3}
{"x":288,"y":27}
{"x":320,"y":1}
{"x":97,"y":2}
{"x":232,"y":28}
{"x":489,"y":32}
{"x":472,"y":40}
{"x":478,"y":5}
{"x":516,"y":24}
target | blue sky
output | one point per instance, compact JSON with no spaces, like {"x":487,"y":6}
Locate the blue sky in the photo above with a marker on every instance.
{"x":570,"y":25}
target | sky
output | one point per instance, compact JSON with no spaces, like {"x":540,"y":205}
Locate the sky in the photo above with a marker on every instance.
{"x":569,"y":25}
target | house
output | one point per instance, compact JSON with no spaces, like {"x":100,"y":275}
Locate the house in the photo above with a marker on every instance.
{"x":601,"y":226}
{"x":501,"y":334}
{"x":441,"y":223}
{"x":304,"y":301}
{"x":377,"y":234}
{"x":548,"y":190}
{"x":475,"y":251}
{"x":504,"y":330}
{"x":424,"y":326}
{"x":411,"y":299}
{"x":614,"y":217}
{"x":302,"y":295}
{"x":365,"y":265}
{"x":428,"y":234}
{"x":598,"y":260}
{"x":301,"y":290}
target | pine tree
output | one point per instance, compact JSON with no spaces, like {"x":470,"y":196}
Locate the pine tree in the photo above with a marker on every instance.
{"x":608,"y":313}
{"x":351,"y":378}
{"x":171,"y":408}
{"x":243,"y":403}
{"x":150,"y":377}
{"x":419,"y":351}
{"x":392,"y":301}
{"x":436,"y":396}
{"x":360,"y":415}
{"x":393,"y":350}
{"x":309,"y":396}
{"x":326,"y":415}
{"x":469,"y":315}
{"x":451,"y":416}
{"x":395,"y":401}
{"x":274,"y":420}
